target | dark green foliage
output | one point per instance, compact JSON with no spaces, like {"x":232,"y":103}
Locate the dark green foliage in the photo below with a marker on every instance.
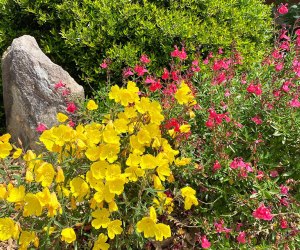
{"x":79,"y":34}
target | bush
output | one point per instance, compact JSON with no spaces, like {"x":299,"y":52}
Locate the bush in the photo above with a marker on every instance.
{"x":79,"y":35}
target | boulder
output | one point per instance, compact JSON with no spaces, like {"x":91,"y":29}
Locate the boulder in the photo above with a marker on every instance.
{"x":29,"y":94}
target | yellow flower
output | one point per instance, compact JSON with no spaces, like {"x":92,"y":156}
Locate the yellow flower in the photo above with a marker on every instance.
{"x":100,"y":243}
{"x":16,"y":194}
{"x":101,"y":218}
{"x":185,"y":128}
{"x":150,"y":228}
{"x":148,"y":161}
{"x":91,"y":105}
{"x":109,"y":152}
{"x":61,"y":117}
{"x":68,"y":235}
{"x":184,"y":95}
{"x":189,"y":197}
{"x":79,"y":188}
{"x":60,"y":175}
{"x":3,"y":192}
{"x":45,"y":174}
{"x":5,"y":148}
{"x":8,"y":229}
{"x":114,"y":228}
{"x":49,"y":230}
{"x":17,"y":153}
{"x":26,"y":238}
{"x":32,"y":205}
{"x":183,"y":161}
{"x":5,"y":137}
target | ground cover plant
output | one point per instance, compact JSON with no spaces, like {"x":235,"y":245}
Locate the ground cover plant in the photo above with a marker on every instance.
{"x":202,"y":155}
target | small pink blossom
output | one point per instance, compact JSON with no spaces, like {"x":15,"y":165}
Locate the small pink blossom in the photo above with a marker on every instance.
{"x":274,"y":174}
{"x":65,"y":92}
{"x":144,"y":59}
{"x":41,"y":127}
{"x":71,"y":123}
{"x":180,"y":54}
{"x":295,"y":103}
{"x":257,"y":120}
{"x":241,"y":238}
{"x":216,"y":166}
{"x":127,"y":72}
{"x":150,"y":79}
{"x":284,"y":224}
{"x":297,"y":32}
{"x":277,"y":54}
{"x":284,"y":189}
{"x":206,"y":61}
{"x":284,"y":201}
{"x":175,"y":75}
{"x":103,"y":65}
{"x":285,"y":45}
{"x":260,"y":175}
{"x":71,"y":107}
{"x":155,"y":86}
{"x":140,"y":70}
{"x":283,"y":9}
{"x":165,"y":74}
{"x":205,"y":243}
{"x":59,"y":85}
{"x":220,"y":51}
{"x":255,"y":89}
{"x":263,"y":213}
{"x":279,"y":66}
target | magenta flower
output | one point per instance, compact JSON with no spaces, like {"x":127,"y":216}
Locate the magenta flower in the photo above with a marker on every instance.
{"x":216,"y":166}
{"x":282,"y":9}
{"x":262,"y":213}
{"x":241,"y":238}
{"x":41,"y":127}
{"x":257,"y":120}
{"x":295,"y":103}
{"x":59,"y":85}
{"x":284,"y":224}
{"x":165,"y":75}
{"x":71,"y":107}
{"x":144,"y":59}
{"x":205,"y":243}
{"x":140,"y":70}
{"x":284,"y":189}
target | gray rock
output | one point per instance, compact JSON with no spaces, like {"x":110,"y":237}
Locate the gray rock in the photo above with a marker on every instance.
{"x":29,"y":93}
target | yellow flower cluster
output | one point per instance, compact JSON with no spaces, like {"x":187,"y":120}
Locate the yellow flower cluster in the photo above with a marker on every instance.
{"x":124,"y":148}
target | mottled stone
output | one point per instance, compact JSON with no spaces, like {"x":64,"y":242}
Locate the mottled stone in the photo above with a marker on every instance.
{"x":29,"y":93}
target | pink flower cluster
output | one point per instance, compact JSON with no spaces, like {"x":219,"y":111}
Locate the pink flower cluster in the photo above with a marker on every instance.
{"x":263,"y":213}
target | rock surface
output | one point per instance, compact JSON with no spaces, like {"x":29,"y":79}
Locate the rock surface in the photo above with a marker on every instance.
{"x":29,"y":93}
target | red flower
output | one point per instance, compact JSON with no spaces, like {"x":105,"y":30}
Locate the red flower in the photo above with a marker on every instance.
{"x":241,"y":237}
{"x":71,"y":107}
{"x":282,"y":9}
{"x":155,"y":86}
{"x":204,"y":242}
{"x":103,"y":65}
{"x":295,"y":103}
{"x":41,"y":127}
{"x":263,"y":213}
{"x":180,"y":54}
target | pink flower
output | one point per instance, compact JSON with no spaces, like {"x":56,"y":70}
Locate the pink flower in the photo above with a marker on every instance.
{"x":241,"y":237}
{"x":41,"y":127}
{"x":260,"y":175}
{"x":205,"y":243}
{"x":59,"y":85}
{"x":282,"y":9}
{"x":71,"y":123}
{"x":279,"y":66}
{"x":285,"y":86}
{"x":175,"y":75}
{"x":285,"y":45}
{"x":149,"y":79}
{"x":144,"y":59}
{"x":274,"y":173}
{"x":127,"y":72}
{"x":257,"y":120}
{"x":71,"y":107}
{"x":155,"y":86}
{"x":206,"y":60}
{"x":140,"y":70}
{"x":255,"y":89}
{"x":284,"y":202}
{"x":66,"y":92}
{"x":103,"y":65}
{"x":220,"y":51}
{"x":277,"y":54}
{"x":180,"y":54}
{"x":284,"y":224}
{"x":297,"y":32}
{"x":295,"y":103}
{"x":216,"y":166}
{"x":165,"y":75}
{"x":284,"y":189}
{"x":263,"y":213}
